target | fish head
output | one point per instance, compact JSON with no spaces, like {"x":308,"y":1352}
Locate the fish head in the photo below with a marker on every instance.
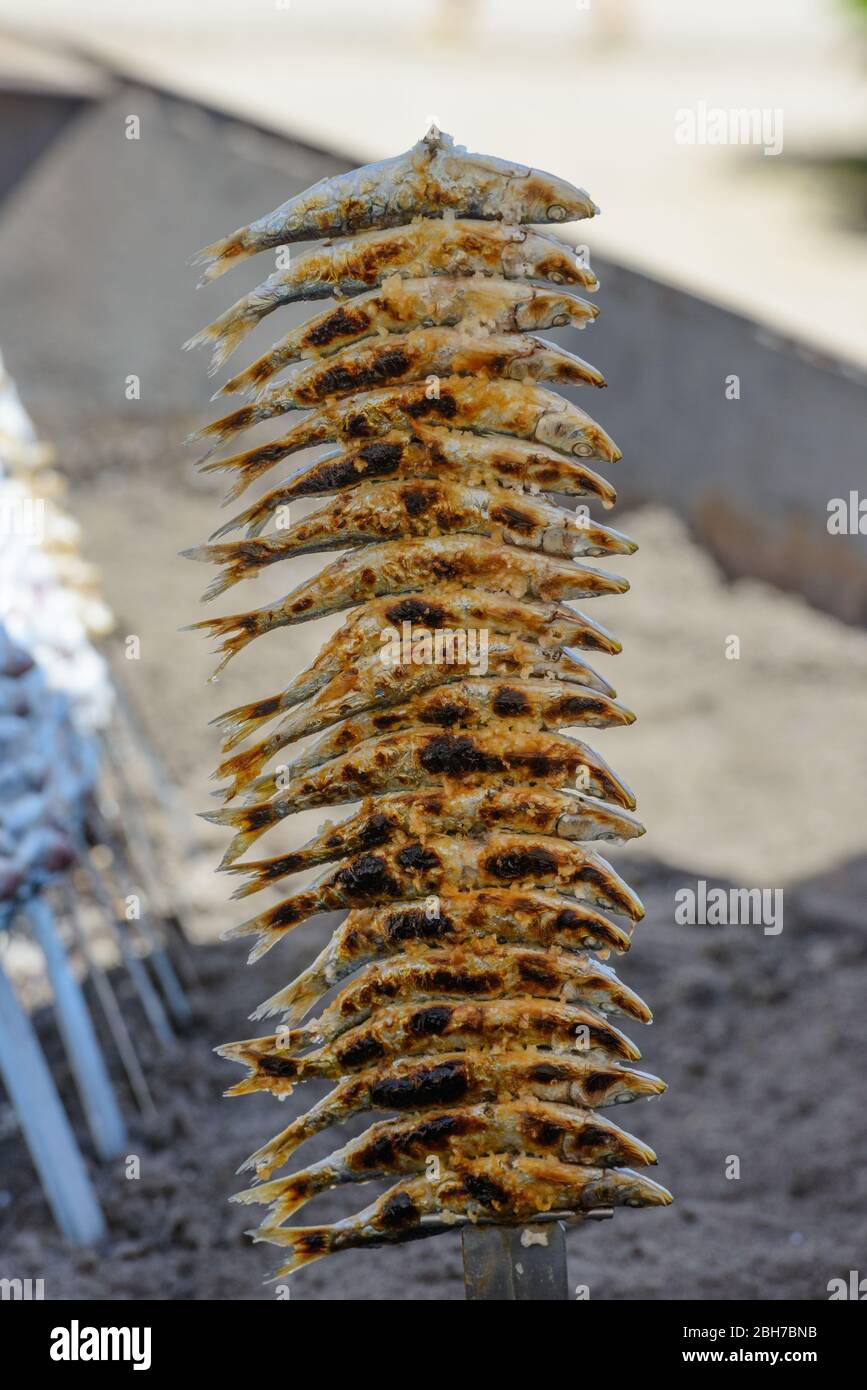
{"x":536,"y":256}
{"x":623,"y":1187}
{"x":547,"y":198}
{"x":548,"y":309}
{"x":572,"y":432}
{"x":601,"y":1142}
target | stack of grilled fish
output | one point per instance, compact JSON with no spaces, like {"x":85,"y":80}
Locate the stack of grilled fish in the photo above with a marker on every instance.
{"x":474,"y":1002}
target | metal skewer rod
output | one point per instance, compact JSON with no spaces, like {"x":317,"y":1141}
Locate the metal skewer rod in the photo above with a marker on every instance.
{"x":519,"y":1263}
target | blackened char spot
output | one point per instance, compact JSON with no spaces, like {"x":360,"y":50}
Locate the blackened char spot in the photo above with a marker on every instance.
{"x":339,"y":378}
{"x":278,"y":1066}
{"x":417,"y":858}
{"x":546,"y":1072}
{"x":444,"y":405}
{"x":447,"y":714}
{"x":337,"y":324}
{"x":597,"y":1083}
{"x":399,"y":1210}
{"x":513,"y":518}
{"x":532,"y":973}
{"x":510,"y":701}
{"x":362,"y":1050}
{"x":457,"y":982}
{"x":418,"y":499}
{"x":377,"y":831}
{"x":430,"y":1022}
{"x":521,"y":863}
{"x":416,"y":610}
{"x":438,"y":1085}
{"x":415,"y":925}
{"x":456,"y":757}
{"x":484,"y":1190}
{"x":366,"y":876}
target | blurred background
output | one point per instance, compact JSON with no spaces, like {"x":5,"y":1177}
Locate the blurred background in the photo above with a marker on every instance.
{"x":732,"y":334}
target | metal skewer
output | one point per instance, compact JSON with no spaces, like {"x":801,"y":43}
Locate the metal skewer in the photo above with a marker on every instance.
{"x":519,"y":1263}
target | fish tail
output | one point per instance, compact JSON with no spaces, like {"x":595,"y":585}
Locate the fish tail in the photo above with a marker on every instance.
{"x":286,"y":1195}
{"x":295,"y":999}
{"x":228,"y":331}
{"x":275,"y":1153}
{"x":305,"y":1244}
{"x":271,"y":926}
{"x":242,"y":768}
{"x":255,"y":519}
{"x":221,"y":255}
{"x":236,"y":630}
{"x":237,"y":723}
{"x":249,"y":822}
{"x":227,"y":425}
{"x":239,"y":559}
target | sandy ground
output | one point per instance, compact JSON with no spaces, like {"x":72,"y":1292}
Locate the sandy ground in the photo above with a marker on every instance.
{"x":756,"y":1034}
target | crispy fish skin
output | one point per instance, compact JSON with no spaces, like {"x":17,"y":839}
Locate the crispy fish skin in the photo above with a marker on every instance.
{"x":475,"y":920}
{"x":396,"y":819}
{"x":380,"y":512}
{"x":534,"y":704}
{"x":403,"y":357}
{"x":399,"y":1147}
{"x":414,"y":1085}
{"x":482,"y":406}
{"x":419,"y":758}
{"x":482,"y":969}
{"x":498,"y":1025}
{"x":504,"y":1189}
{"x":448,"y":456}
{"x":399,"y":306}
{"x":404,"y":567}
{"x":432,"y":178}
{"x":369,"y":684}
{"x":552,"y":627}
{"x":422,"y":249}
{"x":438,"y":863}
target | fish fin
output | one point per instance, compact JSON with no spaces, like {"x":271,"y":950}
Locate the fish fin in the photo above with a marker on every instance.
{"x":295,"y":1000}
{"x":285,"y":1195}
{"x":305,"y":1243}
{"x":236,"y":724}
{"x":220,"y":256}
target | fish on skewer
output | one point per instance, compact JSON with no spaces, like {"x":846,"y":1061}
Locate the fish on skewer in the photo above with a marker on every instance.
{"x":473,"y":920}
{"x":372,"y":683}
{"x":417,"y":617}
{"x":444,"y":455}
{"x":403,"y":816}
{"x":482,"y":406}
{"x":406,"y":1030}
{"x":394,"y":1148}
{"x":420,"y":354}
{"x":414,"y":1085}
{"x":503,"y":1189}
{"x":380,"y":512}
{"x":340,"y":269}
{"x":439,"y":863}
{"x":432,"y":179}
{"x":399,"y":306}
{"x":403,"y":567}
{"x":422,"y":757}
{"x":512,"y":704}
{"x":483,"y":969}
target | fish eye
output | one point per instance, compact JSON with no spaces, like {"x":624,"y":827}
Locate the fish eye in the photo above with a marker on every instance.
{"x":557,"y":212}
{"x":633,"y":1201}
{"x":559,"y":320}
{"x":555,"y":277}
{"x":583,"y":451}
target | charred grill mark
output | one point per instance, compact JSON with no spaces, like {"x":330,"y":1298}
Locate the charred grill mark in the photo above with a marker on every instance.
{"x":417,"y":499}
{"x":359,"y":1052}
{"x":281,"y":1067}
{"x":508,"y":701}
{"x":548,"y":1072}
{"x":417,"y":611}
{"x":578,"y":705}
{"x":520,"y":863}
{"x":415,"y":925}
{"x":598,"y":1083}
{"x":543,"y":1132}
{"x":399,"y":1211}
{"x":457,"y":757}
{"x":444,"y":405}
{"x":534,"y":973}
{"x":430,"y":1022}
{"x":341,"y":379}
{"x":366,"y":877}
{"x":535,"y":764}
{"x":338,"y":324}
{"x":438,"y":1085}
{"x":513,"y":518}
{"x":489,"y":1193}
{"x":417,"y":858}
{"x":444,"y":981}
{"x":448,"y":714}
{"x":377,"y":831}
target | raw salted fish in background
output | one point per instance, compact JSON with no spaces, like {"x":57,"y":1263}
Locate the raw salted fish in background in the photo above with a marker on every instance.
{"x":474,"y":995}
